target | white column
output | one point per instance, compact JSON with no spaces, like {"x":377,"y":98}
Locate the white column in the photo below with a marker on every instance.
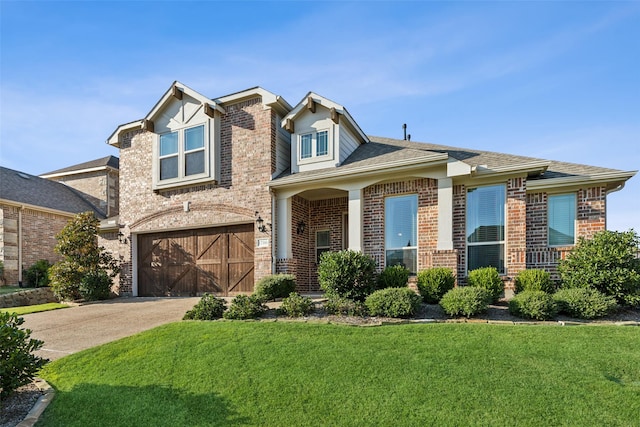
{"x":445,"y":214}
{"x":355,"y":220}
{"x":283,"y":228}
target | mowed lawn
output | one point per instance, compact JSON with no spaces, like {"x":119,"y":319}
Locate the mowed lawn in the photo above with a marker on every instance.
{"x":307,"y":374}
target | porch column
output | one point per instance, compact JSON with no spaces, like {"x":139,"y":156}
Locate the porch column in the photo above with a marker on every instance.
{"x":445,"y":214}
{"x":355,"y":220}
{"x":283,"y":229}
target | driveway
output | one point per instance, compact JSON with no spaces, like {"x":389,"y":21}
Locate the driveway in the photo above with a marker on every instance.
{"x":70,"y":330}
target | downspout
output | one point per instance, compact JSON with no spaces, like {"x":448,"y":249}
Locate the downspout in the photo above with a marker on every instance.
{"x":274,"y":231}
{"x":20,"y":208}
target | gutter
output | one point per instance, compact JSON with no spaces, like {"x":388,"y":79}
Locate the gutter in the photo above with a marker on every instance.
{"x":603,"y":177}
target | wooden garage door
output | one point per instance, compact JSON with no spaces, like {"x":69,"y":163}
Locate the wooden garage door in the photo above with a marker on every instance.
{"x":192,"y":262}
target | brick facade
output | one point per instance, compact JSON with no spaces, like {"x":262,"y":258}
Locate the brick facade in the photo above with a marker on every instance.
{"x":100,"y":188}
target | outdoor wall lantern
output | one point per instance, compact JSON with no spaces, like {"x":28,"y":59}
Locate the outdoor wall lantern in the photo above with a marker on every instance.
{"x":301,"y":227}
{"x":121,"y":238}
{"x":260,"y":224}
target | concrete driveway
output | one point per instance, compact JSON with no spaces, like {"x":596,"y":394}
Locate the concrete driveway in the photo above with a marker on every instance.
{"x":70,"y":330}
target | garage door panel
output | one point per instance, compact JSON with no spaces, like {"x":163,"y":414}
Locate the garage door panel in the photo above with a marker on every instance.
{"x":193,"y":262}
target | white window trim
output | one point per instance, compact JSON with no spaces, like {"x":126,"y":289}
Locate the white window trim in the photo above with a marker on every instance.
{"x":183,"y":179}
{"x":415,"y":246}
{"x":321,"y":247}
{"x":498,"y":242}
{"x":575,"y":220}
{"x":314,"y":146}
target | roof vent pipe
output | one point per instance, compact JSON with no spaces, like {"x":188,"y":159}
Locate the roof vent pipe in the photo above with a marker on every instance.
{"x":409,"y":137}
{"x":404,"y":128}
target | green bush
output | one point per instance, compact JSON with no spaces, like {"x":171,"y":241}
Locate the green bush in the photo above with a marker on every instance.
{"x":65,"y":278}
{"x":245,"y":307}
{"x":584,"y":303}
{"x":487,"y":278}
{"x":434,"y":283}
{"x":348,"y":274}
{"x":18,"y":365}
{"x":393,"y":302}
{"x":295,"y":305}
{"x":465,"y":301}
{"x":96,"y":285}
{"x":275,"y":286}
{"x":344,"y":306}
{"x":607,"y":262}
{"x":37,"y":276}
{"x":537,"y":305}
{"x":394,"y":276}
{"x":208,"y":308}
{"x":534,"y":280}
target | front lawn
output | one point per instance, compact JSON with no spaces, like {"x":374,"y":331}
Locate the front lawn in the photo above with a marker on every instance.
{"x":27,"y":309}
{"x":299,"y":374}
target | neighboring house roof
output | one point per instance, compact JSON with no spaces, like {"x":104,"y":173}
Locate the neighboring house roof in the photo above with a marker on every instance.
{"x":98,"y":164}
{"x":381,"y":152}
{"x":22,"y":188}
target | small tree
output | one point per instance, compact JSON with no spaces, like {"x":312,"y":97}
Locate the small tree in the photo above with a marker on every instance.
{"x":607,"y":262}
{"x":85,"y":267}
{"x":17,"y":363}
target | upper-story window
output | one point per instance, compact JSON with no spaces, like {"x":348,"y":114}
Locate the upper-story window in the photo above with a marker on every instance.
{"x":561,"y":219}
{"x":314,"y":144}
{"x":182,"y":154}
{"x":485,"y":227}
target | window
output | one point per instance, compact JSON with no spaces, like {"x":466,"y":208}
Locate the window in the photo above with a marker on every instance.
{"x":485,"y":227}
{"x":182,"y":154}
{"x":561,"y":219}
{"x":401,"y":231}
{"x":323,"y":243}
{"x":314,"y":144}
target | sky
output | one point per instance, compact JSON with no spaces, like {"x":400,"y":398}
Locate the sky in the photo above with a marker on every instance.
{"x":553,"y":80}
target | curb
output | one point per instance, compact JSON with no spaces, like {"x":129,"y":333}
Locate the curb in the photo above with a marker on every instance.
{"x":39,"y":407}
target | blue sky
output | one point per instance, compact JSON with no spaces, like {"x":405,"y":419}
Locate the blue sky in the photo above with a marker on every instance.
{"x":554,"y":80}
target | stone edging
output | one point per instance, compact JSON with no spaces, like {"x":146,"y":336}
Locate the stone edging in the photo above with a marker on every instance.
{"x":39,"y":407}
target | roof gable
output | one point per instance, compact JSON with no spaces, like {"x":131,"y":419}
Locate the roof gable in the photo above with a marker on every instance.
{"x":111,"y":162}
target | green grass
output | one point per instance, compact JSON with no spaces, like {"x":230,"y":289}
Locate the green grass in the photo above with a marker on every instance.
{"x":10,"y":289}
{"x":34,"y":308}
{"x":297,"y":374}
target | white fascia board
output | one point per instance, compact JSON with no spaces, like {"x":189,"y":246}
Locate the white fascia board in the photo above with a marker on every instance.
{"x":580,"y":180}
{"x":358,"y":172}
{"x":535,"y":166}
{"x":76,"y":172}
{"x":114,"y":137}
{"x":188,"y":91}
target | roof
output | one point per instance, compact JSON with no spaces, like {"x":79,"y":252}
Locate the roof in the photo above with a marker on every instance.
{"x":104,"y":162}
{"x":23,"y":188}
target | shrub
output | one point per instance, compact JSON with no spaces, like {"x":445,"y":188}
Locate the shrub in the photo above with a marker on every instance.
{"x":37,"y":276}
{"x":275,"y":286}
{"x":393,"y":302}
{"x":295,"y":305}
{"x":95,"y":285}
{"x":344,"y":306}
{"x":434,"y":283}
{"x":348,"y":274}
{"x":65,"y":278}
{"x":245,"y":307}
{"x":208,"y":308}
{"x":534,"y":280}
{"x":18,"y":365}
{"x":607,"y":262}
{"x":537,"y":305}
{"x":394,"y":276}
{"x":584,"y":303}
{"x":489,"y":279}
{"x":465,"y":301}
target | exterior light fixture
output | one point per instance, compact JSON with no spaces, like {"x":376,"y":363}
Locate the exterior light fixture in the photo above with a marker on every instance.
{"x":260,"y":224}
{"x":301,"y":227}
{"x":121,"y":238}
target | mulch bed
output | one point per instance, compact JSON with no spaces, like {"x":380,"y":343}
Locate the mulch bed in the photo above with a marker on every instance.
{"x":16,"y":407}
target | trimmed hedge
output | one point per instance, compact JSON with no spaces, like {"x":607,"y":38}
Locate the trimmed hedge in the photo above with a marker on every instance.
{"x":349,"y":274}
{"x":534,"y":280}
{"x":489,"y":279}
{"x":344,"y":306}
{"x":465,"y":301}
{"x":393,"y":302}
{"x":394,"y":276}
{"x":584,"y":303}
{"x":537,"y":305}
{"x":295,"y":305}
{"x":208,"y":308}
{"x":434,"y":283}
{"x":245,"y":307}
{"x":275,"y":286}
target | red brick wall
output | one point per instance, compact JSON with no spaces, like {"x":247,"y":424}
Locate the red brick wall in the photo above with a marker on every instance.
{"x":516,"y":238}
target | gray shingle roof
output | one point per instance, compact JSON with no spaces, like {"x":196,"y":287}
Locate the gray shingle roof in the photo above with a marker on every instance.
{"x":20,"y":187}
{"x":109,"y":161}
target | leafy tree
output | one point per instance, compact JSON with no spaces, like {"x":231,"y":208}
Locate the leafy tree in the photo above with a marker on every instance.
{"x":17,"y":363}
{"x":607,"y":262}
{"x":86,"y":269}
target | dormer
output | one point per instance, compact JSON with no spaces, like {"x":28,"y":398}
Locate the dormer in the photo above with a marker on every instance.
{"x":323,"y":134}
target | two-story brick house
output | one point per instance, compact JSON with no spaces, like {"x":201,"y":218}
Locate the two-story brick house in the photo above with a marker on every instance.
{"x":217,"y":193}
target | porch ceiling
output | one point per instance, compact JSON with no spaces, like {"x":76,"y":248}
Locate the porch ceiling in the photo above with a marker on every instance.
{"x":323,"y":193}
